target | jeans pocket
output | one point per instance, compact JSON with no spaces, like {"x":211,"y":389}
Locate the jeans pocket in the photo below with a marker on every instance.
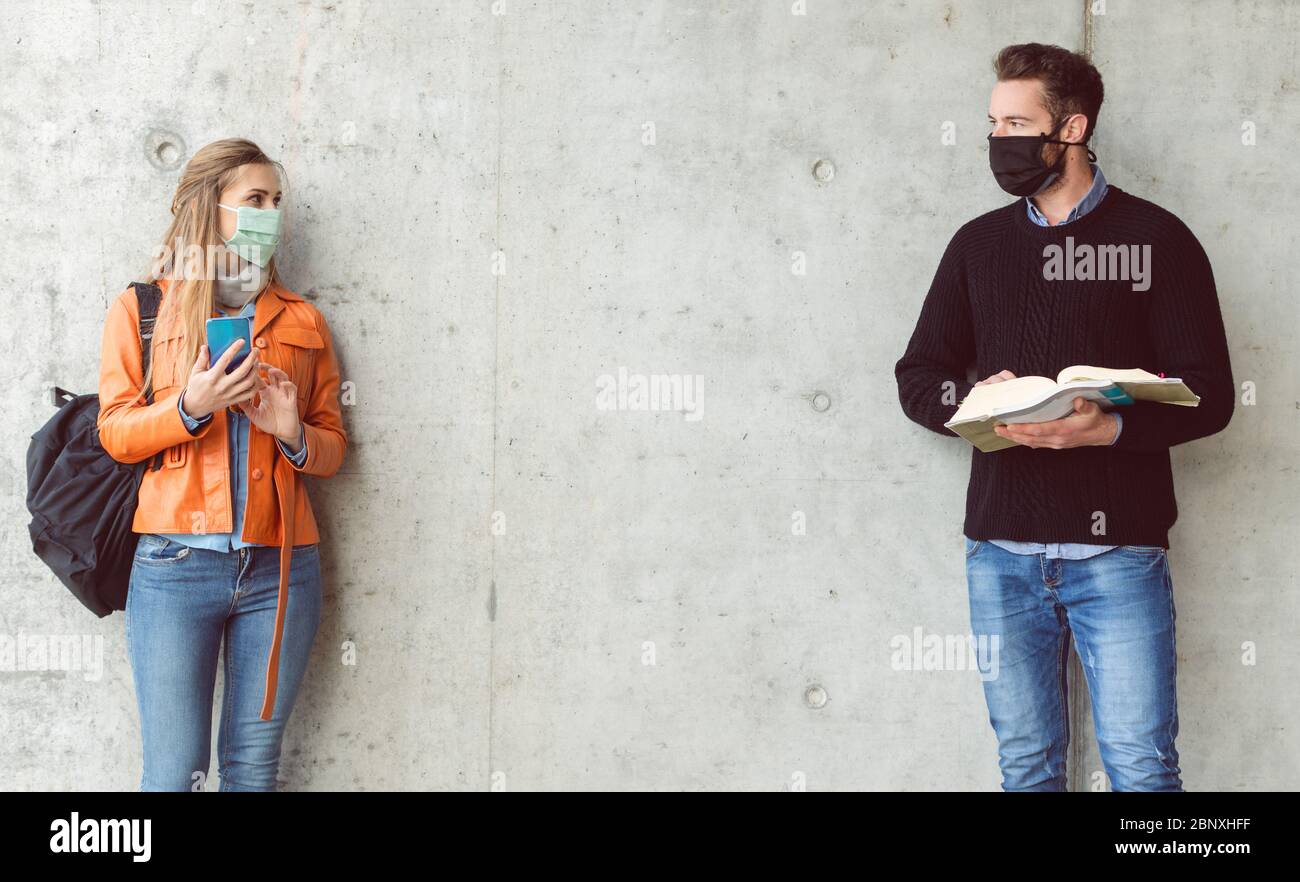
{"x":972,"y":546}
{"x":1144,"y":550}
{"x":155,"y":549}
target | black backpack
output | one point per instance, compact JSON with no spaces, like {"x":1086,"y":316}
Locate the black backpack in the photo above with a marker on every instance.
{"x":81,"y":499}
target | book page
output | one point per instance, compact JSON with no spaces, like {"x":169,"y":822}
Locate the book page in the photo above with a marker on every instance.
{"x":1089,"y":372}
{"x":984,"y":399}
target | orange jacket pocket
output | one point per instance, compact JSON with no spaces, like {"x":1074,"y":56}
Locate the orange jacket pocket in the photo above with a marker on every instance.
{"x":298,"y":348}
{"x":306,"y":338}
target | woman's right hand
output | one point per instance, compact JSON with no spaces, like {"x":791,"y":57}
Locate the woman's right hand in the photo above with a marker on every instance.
{"x":996,"y":378}
{"x":210,"y":388}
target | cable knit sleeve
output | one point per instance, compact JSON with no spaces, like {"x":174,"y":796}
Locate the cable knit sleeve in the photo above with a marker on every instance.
{"x":931,"y":375}
{"x":1185,"y":326}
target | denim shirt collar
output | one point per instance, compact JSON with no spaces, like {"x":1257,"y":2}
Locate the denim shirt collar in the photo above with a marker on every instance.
{"x":1085,"y":205}
{"x":249,"y":310}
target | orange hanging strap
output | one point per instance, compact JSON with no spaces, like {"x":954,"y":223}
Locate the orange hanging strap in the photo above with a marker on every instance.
{"x":284,"y":476}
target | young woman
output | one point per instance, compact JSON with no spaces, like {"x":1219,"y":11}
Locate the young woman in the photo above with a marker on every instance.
{"x":227,"y":561}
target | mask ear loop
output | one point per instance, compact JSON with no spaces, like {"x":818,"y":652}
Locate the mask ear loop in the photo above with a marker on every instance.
{"x":1048,"y":139}
{"x":1092,"y":156}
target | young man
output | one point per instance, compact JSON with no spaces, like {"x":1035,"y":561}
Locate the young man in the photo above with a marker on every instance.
{"x":1067,"y":532}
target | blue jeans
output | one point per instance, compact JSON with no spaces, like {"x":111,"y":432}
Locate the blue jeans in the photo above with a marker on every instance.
{"x":182,"y":604}
{"x":1119,"y":607}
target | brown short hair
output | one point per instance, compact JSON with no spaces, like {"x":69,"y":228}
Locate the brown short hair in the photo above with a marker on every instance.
{"x":1070,"y":82}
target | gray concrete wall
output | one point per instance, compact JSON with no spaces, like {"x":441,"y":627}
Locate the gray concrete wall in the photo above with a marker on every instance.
{"x":543,"y":594}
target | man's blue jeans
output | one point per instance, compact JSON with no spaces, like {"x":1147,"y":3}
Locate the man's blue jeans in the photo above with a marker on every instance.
{"x":1119,"y":608}
{"x":182,"y":604}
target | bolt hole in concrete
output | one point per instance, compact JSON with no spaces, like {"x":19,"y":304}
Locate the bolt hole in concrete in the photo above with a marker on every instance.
{"x":823,"y":170}
{"x":815,"y":697}
{"x":165,"y":150}
{"x":821,"y":402}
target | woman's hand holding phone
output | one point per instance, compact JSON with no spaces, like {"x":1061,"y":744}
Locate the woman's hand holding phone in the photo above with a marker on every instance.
{"x":211,"y":388}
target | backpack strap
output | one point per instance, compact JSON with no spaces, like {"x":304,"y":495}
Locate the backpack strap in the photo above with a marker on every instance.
{"x":149,"y":297}
{"x":61,"y":396}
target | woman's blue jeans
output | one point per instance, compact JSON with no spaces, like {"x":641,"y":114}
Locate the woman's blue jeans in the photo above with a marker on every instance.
{"x":183,"y":605}
{"x":1119,"y":608}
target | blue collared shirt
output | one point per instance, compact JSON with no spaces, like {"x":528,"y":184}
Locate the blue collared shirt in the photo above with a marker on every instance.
{"x":237,"y":427}
{"x":1090,"y":200}
{"x":1066,"y":550}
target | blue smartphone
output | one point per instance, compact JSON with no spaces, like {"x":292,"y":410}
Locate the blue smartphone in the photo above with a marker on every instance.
{"x":222,"y":332}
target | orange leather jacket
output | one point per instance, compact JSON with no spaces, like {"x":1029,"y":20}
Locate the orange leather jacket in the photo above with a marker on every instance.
{"x":191,"y":492}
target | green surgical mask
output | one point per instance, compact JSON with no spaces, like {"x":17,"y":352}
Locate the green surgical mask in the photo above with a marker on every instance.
{"x":257,"y":232}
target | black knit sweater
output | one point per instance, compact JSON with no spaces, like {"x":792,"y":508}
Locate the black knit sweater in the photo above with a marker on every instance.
{"x":992,"y":306}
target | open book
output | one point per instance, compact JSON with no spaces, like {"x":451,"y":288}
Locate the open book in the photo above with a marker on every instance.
{"x":1042,"y":399}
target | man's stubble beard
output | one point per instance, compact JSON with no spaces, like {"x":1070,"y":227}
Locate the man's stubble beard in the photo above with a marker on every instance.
{"x":1057,"y":185}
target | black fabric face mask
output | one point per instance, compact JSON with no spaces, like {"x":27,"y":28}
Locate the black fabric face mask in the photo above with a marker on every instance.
{"x":1017,"y":162}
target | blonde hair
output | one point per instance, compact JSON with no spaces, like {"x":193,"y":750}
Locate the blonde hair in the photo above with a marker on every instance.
{"x":194,"y":231}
